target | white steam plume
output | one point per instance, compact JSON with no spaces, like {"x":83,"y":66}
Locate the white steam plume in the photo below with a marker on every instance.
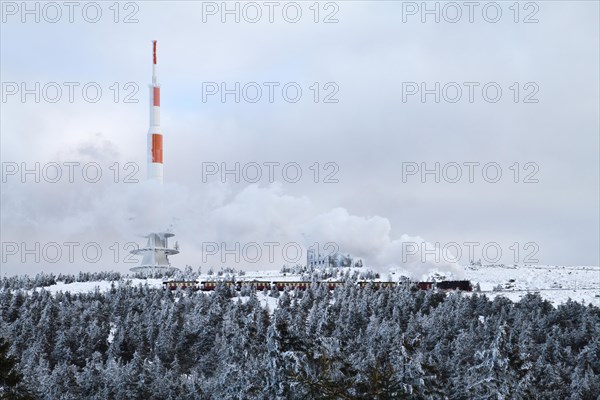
{"x":109,"y":213}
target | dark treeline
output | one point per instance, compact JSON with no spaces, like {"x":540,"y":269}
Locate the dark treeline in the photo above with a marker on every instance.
{"x":133,"y":342}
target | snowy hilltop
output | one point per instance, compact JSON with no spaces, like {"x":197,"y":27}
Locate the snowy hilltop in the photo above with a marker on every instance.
{"x":557,"y":284}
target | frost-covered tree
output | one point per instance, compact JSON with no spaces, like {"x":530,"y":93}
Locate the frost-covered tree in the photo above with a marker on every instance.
{"x":401,"y":342}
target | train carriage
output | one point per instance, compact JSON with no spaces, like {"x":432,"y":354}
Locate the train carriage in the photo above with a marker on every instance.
{"x":207,"y":286}
{"x":183,"y":285}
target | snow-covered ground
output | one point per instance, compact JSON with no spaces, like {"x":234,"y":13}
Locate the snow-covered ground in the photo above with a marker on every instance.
{"x":555,"y":283}
{"x":82,"y":287}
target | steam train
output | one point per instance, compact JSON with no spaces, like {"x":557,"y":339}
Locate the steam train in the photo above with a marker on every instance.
{"x":208,"y":286}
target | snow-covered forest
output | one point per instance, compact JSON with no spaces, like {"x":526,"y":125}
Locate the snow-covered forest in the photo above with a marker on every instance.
{"x":138,"y":342}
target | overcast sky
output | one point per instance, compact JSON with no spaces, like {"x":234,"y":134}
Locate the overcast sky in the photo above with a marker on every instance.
{"x":368,"y":62}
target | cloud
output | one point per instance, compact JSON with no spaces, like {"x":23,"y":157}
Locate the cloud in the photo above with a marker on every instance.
{"x":107,"y":213}
{"x":369,"y":133}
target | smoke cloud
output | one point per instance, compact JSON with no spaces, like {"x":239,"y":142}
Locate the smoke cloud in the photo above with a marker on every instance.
{"x":114,"y":215}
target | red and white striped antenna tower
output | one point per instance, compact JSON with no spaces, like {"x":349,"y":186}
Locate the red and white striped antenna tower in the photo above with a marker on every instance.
{"x":155,"y":254}
{"x":155,"y":138}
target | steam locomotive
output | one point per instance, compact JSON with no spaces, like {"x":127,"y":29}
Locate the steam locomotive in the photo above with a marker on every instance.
{"x":208,"y":286}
